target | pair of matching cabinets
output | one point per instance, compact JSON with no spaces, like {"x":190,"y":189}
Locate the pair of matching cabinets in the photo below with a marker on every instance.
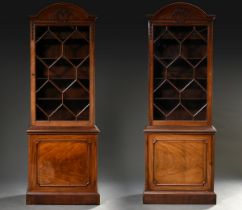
{"x":179,"y":137}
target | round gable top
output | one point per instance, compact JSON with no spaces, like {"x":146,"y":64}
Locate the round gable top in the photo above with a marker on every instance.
{"x":181,"y":12}
{"x":63,"y":12}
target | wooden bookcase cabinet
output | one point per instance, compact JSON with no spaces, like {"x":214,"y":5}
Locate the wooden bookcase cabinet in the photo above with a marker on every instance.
{"x":180,"y":135}
{"x":62,"y":136}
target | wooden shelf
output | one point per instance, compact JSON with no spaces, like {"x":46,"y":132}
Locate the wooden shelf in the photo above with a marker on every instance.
{"x":157,"y":98}
{"x":178,"y":78}
{"x":59,"y":99}
{"x":72,"y":79}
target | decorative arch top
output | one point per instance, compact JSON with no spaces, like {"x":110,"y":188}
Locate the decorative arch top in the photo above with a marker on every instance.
{"x":181,"y":12}
{"x":62,"y":12}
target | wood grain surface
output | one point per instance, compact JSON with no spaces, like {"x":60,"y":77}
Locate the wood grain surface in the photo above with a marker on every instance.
{"x":63,"y":163}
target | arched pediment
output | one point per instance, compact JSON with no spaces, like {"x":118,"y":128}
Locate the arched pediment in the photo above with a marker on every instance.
{"x":181,"y":12}
{"x":62,"y":12}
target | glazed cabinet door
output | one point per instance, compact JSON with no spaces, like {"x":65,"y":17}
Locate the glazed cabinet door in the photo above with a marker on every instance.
{"x":62,"y":77}
{"x":179,"y":162}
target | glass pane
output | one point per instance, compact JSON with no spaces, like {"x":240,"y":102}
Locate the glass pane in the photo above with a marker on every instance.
{"x":180,"y":73}
{"x":62,"y":73}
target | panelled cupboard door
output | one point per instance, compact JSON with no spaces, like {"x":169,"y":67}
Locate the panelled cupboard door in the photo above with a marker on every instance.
{"x":179,"y":162}
{"x":61,"y":162}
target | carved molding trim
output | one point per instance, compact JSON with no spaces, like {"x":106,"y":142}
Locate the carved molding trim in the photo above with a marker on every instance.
{"x":32,"y":31}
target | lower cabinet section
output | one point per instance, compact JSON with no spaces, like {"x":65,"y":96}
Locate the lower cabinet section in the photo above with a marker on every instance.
{"x":62,"y":169}
{"x":179,"y":168}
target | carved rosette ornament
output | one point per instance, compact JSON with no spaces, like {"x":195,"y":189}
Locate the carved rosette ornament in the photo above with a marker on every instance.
{"x":63,"y":15}
{"x":180,"y":15}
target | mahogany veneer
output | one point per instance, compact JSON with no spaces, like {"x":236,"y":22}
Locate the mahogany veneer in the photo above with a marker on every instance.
{"x":180,"y":136}
{"x":62,"y":136}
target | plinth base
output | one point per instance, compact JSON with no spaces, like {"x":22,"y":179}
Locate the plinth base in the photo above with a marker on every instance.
{"x":62,"y":198}
{"x":174,"y":197}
